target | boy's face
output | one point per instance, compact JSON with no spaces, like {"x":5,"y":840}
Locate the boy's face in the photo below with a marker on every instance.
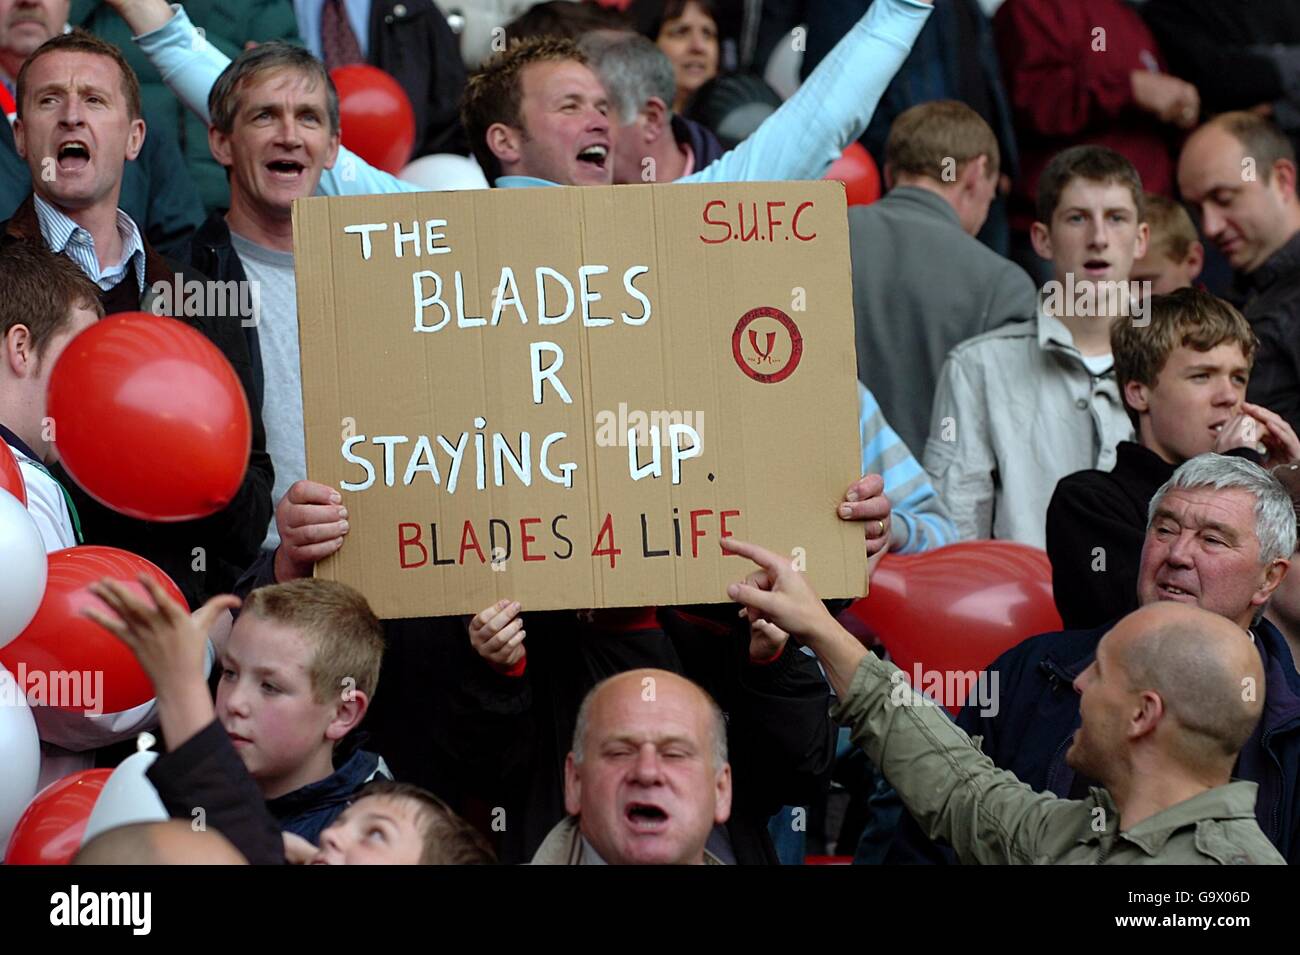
{"x":376,"y":830}
{"x":1094,"y":233}
{"x":1165,"y":273}
{"x":1195,"y":394}
{"x":266,"y":705}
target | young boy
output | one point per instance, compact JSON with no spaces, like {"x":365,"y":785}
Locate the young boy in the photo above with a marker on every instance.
{"x":46,"y":301}
{"x":1020,"y":407}
{"x":1175,"y":254}
{"x":1183,"y":378}
{"x":297,"y":672}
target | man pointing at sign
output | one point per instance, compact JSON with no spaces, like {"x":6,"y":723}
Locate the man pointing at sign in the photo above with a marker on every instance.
{"x":537,"y":115}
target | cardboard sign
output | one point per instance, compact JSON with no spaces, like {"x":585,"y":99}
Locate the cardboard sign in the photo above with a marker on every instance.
{"x":473,"y":364}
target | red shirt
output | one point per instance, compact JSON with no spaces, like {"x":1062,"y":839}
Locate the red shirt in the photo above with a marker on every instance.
{"x":1067,"y":65}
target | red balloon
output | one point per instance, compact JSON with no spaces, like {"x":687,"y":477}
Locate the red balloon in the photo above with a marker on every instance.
{"x":956,"y":609}
{"x":61,"y":641}
{"x":375,"y":116}
{"x":11,"y":475}
{"x":150,"y":418}
{"x":50,"y":829}
{"x":857,"y":170}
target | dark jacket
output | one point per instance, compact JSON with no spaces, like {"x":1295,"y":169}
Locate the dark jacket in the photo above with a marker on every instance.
{"x":308,"y":810}
{"x":1225,"y":49}
{"x":1039,"y":714}
{"x":1096,"y":524}
{"x":1269,"y":297}
{"x":230,"y":539}
{"x":699,"y":137}
{"x":411,"y":40}
{"x":157,"y":191}
{"x":205,"y":773}
{"x":211,"y":252}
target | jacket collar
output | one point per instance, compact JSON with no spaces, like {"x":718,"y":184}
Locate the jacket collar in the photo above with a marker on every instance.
{"x":338,"y":787}
{"x":1140,"y":461}
{"x":563,"y":845}
{"x":24,"y":224}
{"x":924,"y":198}
{"x":1285,"y":261}
{"x":1235,"y":800}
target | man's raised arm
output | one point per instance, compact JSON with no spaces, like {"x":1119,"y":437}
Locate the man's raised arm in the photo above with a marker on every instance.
{"x":190,"y":65}
{"x":833,"y":106}
{"x":951,"y":788}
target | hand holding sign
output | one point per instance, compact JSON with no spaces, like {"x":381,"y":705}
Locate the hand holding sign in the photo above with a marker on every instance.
{"x":497,"y":634}
{"x":865,"y":501}
{"x":312,"y":523}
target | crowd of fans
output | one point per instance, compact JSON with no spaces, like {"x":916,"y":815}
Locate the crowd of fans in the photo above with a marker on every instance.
{"x":1076,"y":312}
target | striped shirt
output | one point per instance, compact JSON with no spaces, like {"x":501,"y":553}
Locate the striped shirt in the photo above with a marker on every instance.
{"x":918,"y":519}
{"x":64,"y":236}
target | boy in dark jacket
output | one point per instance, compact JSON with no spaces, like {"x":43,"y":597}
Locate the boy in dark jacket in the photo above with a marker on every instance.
{"x":297,"y":672}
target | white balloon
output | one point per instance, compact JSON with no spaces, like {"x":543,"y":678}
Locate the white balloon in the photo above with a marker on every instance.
{"x":20,"y":755}
{"x":127,"y":797}
{"x":444,"y":171}
{"x":23,"y":567}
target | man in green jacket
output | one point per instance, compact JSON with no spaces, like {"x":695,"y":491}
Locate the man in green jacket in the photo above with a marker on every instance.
{"x":227,"y":26}
{"x":1173,"y":695}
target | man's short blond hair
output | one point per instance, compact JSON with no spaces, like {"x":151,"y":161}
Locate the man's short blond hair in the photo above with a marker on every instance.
{"x":938,"y":139}
{"x":345,"y":637}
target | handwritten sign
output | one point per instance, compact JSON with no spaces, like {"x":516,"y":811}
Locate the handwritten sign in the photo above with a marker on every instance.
{"x":569,"y":396}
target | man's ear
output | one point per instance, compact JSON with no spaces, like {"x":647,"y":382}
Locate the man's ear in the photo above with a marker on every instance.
{"x":20,"y":139}
{"x":332,"y":156}
{"x":1144,"y":720}
{"x":722,"y":807}
{"x":1284,"y":179}
{"x":657,"y":120}
{"x":1137,"y":396}
{"x":348,"y":712}
{"x":504,"y":142}
{"x":1143,"y":240}
{"x":975,"y":172}
{"x":219,"y":146}
{"x":135,"y":138}
{"x":1041,"y":239}
{"x":572,"y":787}
{"x":1272,"y":578}
{"x":887,"y":175}
{"x":19,"y":356}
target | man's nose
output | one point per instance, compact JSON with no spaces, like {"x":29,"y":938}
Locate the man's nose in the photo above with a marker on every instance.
{"x":1212,"y":223}
{"x":647,"y":768}
{"x":1100,"y":234}
{"x":1180,"y":551}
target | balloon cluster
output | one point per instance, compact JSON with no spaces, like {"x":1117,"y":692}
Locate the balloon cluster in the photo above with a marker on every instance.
{"x":149,"y":419}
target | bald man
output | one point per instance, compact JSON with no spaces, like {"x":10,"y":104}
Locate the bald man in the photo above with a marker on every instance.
{"x":174,"y":842}
{"x":1172,"y":696}
{"x":647,"y":778}
{"x":1238,"y":173}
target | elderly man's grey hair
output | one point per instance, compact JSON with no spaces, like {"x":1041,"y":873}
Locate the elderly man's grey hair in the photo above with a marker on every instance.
{"x":718,"y":724}
{"x":1275,"y":517}
{"x":632,"y":68}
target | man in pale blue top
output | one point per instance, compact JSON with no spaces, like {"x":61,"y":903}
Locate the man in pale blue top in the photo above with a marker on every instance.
{"x":536,"y":115}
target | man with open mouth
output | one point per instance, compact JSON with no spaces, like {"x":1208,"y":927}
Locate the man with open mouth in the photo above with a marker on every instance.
{"x":648,"y":777}
{"x":1220,"y":536}
{"x":78,"y":123}
{"x":537,"y":115}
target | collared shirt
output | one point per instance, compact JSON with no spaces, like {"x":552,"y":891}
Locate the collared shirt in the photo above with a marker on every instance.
{"x":64,"y":236}
{"x":308,"y":13}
